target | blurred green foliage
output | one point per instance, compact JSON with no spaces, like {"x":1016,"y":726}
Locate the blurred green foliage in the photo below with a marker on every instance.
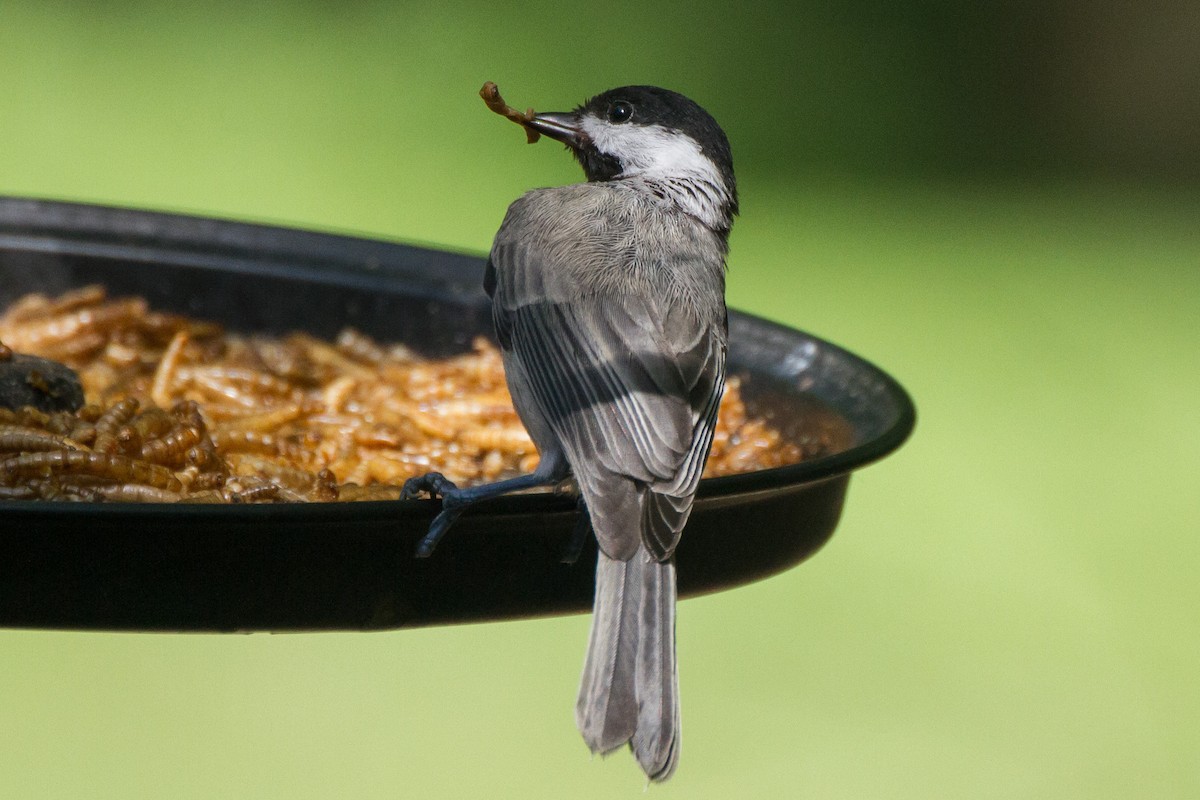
{"x":813,"y":86}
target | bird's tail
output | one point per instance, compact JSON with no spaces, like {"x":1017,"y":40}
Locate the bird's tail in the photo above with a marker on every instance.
{"x":630,"y":688}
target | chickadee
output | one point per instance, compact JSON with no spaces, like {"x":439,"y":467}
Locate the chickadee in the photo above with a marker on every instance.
{"x":608,"y":301}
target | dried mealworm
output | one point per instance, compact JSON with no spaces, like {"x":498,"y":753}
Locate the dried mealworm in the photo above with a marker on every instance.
{"x":136,"y":493}
{"x":111,"y":421}
{"x":491,"y":96}
{"x":333,"y":397}
{"x":70,"y":331}
{"x":18,"y":438}
{"x":211,"y":388}
{"x":269,"y":421}
{"x":509,"y":439}
{"x":257,"y":381}
{"x":207,"y":496}
{"x":291,"y":477}
{"x":121,"y":469}
{"x":26,"y":491}
{"x":72,"y":299}
{"x":206,"y":481}
{"x":378,"y":491}
{"x":172,"y":449}
{"x":153,"y":422}
{"x":256,"y":492}
{"x":230,"y":440}
{"x":359,"y":346}
{"x":33,"y":306}
{"x":325,"y":354}
{"x":164,"y":376}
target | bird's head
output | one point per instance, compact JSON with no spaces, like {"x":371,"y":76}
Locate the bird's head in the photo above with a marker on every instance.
{"x":656,"y":139}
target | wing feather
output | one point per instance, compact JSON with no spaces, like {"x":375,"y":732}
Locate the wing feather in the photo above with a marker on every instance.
{"x":628,"y":380}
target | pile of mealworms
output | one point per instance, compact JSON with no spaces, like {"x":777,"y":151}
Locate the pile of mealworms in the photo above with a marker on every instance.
{"x":180,"y":409}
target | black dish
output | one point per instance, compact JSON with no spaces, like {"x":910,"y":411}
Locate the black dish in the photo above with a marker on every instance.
{"x":349,"y":566}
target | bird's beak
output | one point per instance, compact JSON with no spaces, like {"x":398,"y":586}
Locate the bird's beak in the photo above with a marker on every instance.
{"x":557,"y":125}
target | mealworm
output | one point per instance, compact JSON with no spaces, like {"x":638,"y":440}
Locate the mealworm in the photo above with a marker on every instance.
{"x":111,"y":421}
{"x":491,"y":95}
{"x":102,"y":465}
{"x":246,"y":463}
{"x":512,"y":438}
{"x":232,"y":440}
{"x":164,"y":376}
{"x":136,"y":493}
{"x":172,"y":448}
{"x":17,"y":438}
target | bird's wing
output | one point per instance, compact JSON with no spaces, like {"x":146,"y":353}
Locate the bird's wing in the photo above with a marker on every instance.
{"x":630,"y":385}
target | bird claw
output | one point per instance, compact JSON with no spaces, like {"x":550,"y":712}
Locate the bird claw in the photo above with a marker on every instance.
{"x":437,"y":529}
{"x":435,"y":484}
{"x":455,"y":500}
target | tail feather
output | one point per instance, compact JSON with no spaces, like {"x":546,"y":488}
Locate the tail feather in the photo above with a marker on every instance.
{"x":629,"y":692}
{"x":606,"y":711}
{"x":656,"y":741}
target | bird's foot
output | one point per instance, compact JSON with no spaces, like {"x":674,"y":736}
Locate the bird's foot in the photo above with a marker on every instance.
{"x":435,"y":484}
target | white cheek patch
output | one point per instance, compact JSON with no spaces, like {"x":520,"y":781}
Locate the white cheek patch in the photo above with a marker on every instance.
{"x":670,"y":160}
{"x":651,"y":151}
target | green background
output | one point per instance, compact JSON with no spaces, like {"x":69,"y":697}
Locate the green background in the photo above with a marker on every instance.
{"x":999,"y":207}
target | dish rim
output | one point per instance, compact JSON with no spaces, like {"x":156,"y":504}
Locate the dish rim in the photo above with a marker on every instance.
{"x":350,"y":260}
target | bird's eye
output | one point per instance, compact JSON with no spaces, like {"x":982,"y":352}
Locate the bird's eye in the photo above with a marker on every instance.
{"x":620,"y":112}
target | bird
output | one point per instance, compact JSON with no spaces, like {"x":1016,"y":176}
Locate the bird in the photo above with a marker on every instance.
{"x":608,"y":300}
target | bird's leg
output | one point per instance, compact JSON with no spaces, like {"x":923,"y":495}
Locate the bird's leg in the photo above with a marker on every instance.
{"x":579,"y":536}
{"x":455,"y":500}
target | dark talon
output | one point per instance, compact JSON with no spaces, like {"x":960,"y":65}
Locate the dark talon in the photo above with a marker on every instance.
{"x":437,"y":529}
{"x":434,"y":484}
{"x":453,"y":504}
{"x":455,"y":501}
